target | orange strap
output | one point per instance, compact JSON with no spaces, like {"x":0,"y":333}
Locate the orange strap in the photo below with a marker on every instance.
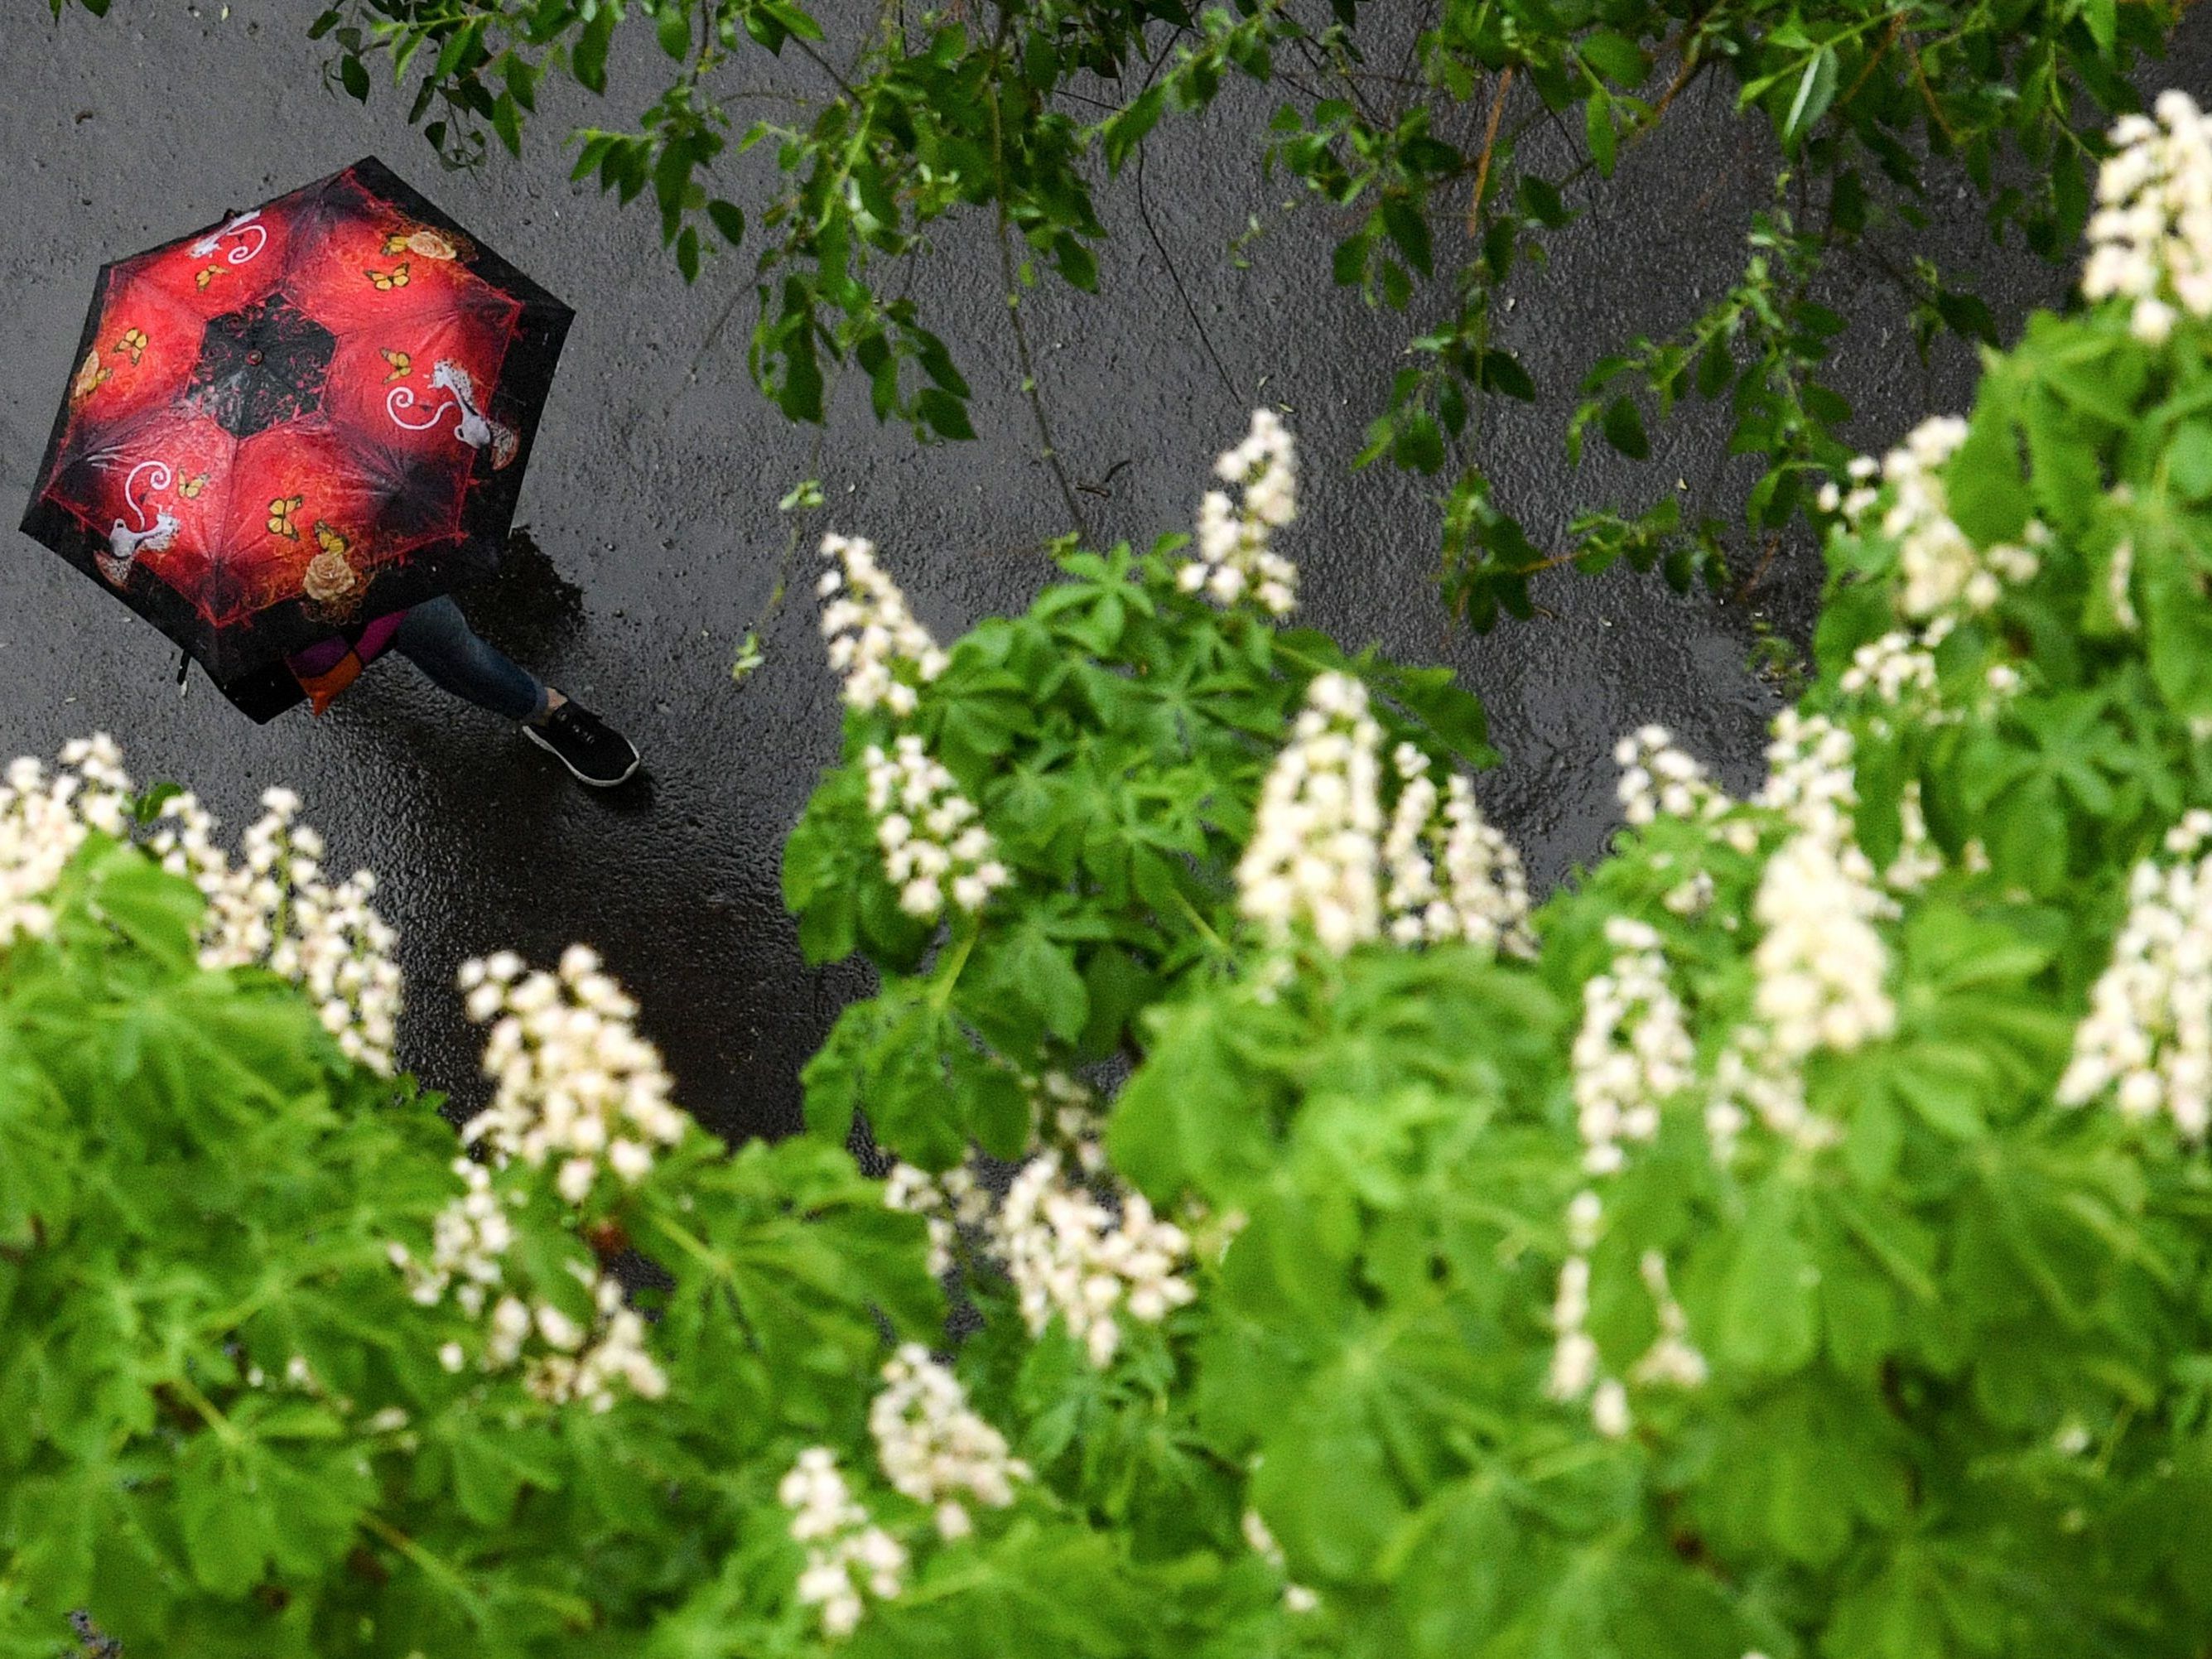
{"x":323,"y":689}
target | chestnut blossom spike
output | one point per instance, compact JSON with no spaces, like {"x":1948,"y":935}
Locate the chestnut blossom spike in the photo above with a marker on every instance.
{"x":1452,"y":875}
{"x":1313,"y":858}
{"x":1633,"y":1051}
{"x":872,"y":638}
{"x":2147,"y":1039}
{"x":273,"y":908}
{"x":933,"y":1448}
{"x":2150,"y":238}
{"x":1072,"y":1258}
{"x":1822,"y":962}
{"x":1660,"y":779}
{"x":845,"y":1551}
{"x":45,"y":818}
{"x":1297,"y":1598}
{"x":576,"y":1085}
{"x":1235,"y":558}
{"x":935,"y":848}
{"x":276,"y":909}
{"x":1944,"y":572}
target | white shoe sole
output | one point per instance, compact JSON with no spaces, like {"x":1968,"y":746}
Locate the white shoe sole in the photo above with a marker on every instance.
{"x":531,"y":733}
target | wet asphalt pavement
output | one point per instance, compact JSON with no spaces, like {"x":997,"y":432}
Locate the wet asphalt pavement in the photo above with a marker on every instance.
{"x":653,"y":495}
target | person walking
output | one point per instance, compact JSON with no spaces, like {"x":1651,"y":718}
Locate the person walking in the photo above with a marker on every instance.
{"x":437,"y":639}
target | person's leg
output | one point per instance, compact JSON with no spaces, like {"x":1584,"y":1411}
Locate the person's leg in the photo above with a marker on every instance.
{"x":437,"y":639}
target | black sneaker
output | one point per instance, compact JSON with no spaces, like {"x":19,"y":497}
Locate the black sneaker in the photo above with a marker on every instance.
{"x":594,"y":751}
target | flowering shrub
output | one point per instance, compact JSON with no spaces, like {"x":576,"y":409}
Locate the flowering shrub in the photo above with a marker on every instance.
{"x":1788,"y":1239}
{"x":1801,"y":1249}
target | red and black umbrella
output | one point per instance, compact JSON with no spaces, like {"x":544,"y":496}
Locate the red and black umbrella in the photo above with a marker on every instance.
{"x":308,"y":415}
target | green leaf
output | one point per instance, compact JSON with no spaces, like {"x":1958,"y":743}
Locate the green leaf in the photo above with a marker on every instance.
{"x":587,"y":59}
{"x":947,"y":415}
{"x":1816,"y":91}
{"x":1597,"y":129}
{"x":1402,"y":221}
{"x":2188,"y":461}
{"x":673,"y":26}
{"x":1767,"y":1319}
{"x":354,"y":74}
{"x":1616,"y":57}
{"x":1982,"y":479}
{"x":1623,"y":426}
{"x":226,"y":1531}
{"x":1126,"y":128}
{"x":506,"y":121}
{"x":2103,"y":18}
{"x":729,"y":218}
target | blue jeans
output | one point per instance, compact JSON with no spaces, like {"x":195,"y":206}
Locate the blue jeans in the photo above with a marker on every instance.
{"x":437,"y":639}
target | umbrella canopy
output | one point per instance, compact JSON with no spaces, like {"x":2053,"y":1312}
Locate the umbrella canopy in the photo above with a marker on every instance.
{"x":306,"y":417}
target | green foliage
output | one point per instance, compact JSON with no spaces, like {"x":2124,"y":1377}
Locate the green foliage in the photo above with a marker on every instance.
{"x":1955,"y":1401}
{"x":225,"y":1426}
{"x":1876,"y":108}
{"x":1950,"y":1395}
{"x":1119,"y":730}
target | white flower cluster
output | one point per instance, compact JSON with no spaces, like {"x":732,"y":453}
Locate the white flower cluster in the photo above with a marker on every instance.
{"x":469,"y":1241}
{"x":2150,"y":239}
{"x":579,"y":1362}
{"x":1942,"y":567}
{"x":1234,"y":555}
{"x":575,"y":1081}
{"x":933,"y":1448}
{"x":1577,"y":1366}
{"x":1297,"y":1598}
{"x":1919,"y":861}
{"x":1483,"y":895}
{"x":2119,"y":582}
{"x":1070,"y":1255}
{"x":1658,"y":779}
{"x":1634,"y":1050}
{"x":870,"y":630}
{"x":1810,"y":778}
{"x":1313,"y":856}
{"x":1898,"y":668}
{"x":845,"y":1549}
{"x":2147,"y":1036}
{"x":932,"y":843}
{"x":1672,"y":1360}
{"x":1821,"y":963}
{"x":276,"y":909}
{"x":45,"y":819}
{"x":945,"y":1202}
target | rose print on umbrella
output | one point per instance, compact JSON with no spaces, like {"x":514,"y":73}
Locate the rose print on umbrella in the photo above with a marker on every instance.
{"x":308,"y":414}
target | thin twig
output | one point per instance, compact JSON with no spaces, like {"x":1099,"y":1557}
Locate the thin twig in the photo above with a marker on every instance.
{"x":1882,"y":48}
{"x":1032,"y":392}
{"x":1927,"y":93}
{"x":1197,"y":323}
{"x":1489,"y":143}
